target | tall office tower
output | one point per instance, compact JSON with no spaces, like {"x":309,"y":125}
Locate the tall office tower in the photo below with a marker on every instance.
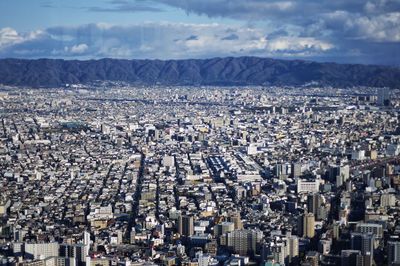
{"x":306,"y":225}
{"x":283,"y":250}
{"x":344,"y":174}
{"x":364,"y":260}
{"x":296,"y":170}
{"x":349,"y":257}
{"x":393,"y":253}
{"x":375,"y":228}
{"x":275,"y":251}
{"x":235,"y":218}
{"x":222,"y":228}
{"x":339,"y":174}
{"x":293,"y":248}
{"x":244,"y":242}
{"x":365,"y":243}
{"x":282,"y":171}
{"x":383,"y":97}
{"x":315,"y":205}
{"x":76,"y":252}
{"x":314,"y":202}
{"x":185,"y":225}
{"x":86,"y":242}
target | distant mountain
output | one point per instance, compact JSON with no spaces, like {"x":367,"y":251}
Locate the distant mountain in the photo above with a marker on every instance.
{"x":215,"y":71}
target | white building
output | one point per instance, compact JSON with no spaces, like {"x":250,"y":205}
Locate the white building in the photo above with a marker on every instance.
{"x":307,"y":186}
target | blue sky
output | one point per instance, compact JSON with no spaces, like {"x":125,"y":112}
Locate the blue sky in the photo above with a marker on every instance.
{"x":351,"y":31}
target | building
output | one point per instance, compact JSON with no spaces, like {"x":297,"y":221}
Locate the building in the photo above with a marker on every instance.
{"x":373,"y":228}
{"x":363,"y":242}
{"x":306,"y":225}
{"x":185,"y":225}
{"x":383,"y":97}
{"x":314,"y":202}
{"x":236,"y":220}
{"x":349,"y":257}
{"x":393,"y":253}
{"x":296,"y":170}
{"x":244,"y":242}
{"x":77,"y":252}
{"x":307,"y":186}
{"x":223,"y":228}
{"x":41,"y":250}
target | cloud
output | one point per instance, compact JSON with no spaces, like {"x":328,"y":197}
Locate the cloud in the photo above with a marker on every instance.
{"x":9,"y":36}
{"x":192,"y":38}
{"x":339,"y":22}
{"x":238,"y":9}
{"x":380,"y":28}
{"x":163,"y":40}
{"x":153,"y":40}
{"x":126,"y":6}
{"x":230,"y":37}
{"x":77,"y":49}
{"x":298,"y":45}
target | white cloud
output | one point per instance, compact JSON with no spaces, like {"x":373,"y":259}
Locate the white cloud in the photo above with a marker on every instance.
{"x":79,"y":49}
{"x":9,"y":36}
{"x":298,"y":44}
{"x":379,"y":28}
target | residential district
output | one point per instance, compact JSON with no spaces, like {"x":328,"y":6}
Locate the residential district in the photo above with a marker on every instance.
{"x":116,"y":174}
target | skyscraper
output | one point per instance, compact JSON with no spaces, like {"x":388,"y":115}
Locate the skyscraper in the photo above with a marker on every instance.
{"x":293,"y":248}
{"x":306,"y":225}
{"x":235,"y":218}
{"x":349,"y":257}
{"x":383,"y":97}
{"x":314,"y":202}
{"x":244,"y":242}
{"x":185,"y":225}
{"x":393,"y":253}
{"x":281,"y":249}
{"x":365,"y":243}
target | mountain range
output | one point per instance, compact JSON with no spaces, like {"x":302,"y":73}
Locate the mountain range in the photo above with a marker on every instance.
{"x":228,"y":71}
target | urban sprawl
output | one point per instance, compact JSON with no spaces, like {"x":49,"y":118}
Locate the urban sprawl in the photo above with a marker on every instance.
{"x":116,"y":174}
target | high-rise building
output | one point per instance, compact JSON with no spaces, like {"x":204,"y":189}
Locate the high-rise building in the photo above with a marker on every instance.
{"x":349,"y":257}
{"x":314,"y":203}
{"x":41,"y":250}
{"x":339,"y":174}
{"x":244,"y":242}
{"x":77,"y":252}
{"x":281,"y":249}
{"x":275,"y":251}
{"x":393,"y":253}
{"x":296,"y":170}
{"x":222,"y":228}
{"x":373,"y":228}
{"x":383,"y":97}
{"x":365,"y":243}
{"x":306,"y":225}
{"x":185,"y":225}
{"x":235,"y":218}
{"x":292,"y":248}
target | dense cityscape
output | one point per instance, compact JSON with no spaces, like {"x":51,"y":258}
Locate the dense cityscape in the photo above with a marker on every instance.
{"x":111,"y":174}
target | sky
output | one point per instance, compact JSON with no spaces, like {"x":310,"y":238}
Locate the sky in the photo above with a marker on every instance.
{"x":342,"y":31}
